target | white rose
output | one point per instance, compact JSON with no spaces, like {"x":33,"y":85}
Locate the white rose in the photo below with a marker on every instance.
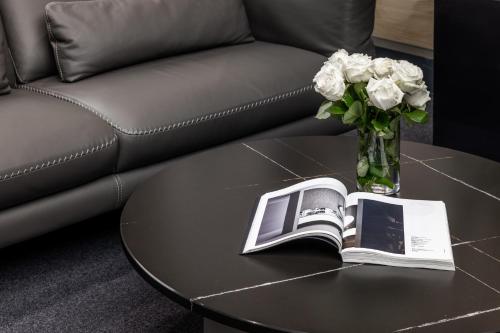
{"x":384,"y":93}
{"x":339,"y":59}
{"x":329,"y":82}
{"x":407,"y":76}
{"x":419,"y":98}
{"x":382,"y":67}
{"x":357,"y":68}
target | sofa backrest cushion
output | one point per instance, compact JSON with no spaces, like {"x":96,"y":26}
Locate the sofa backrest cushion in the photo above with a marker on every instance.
{"x":93,"y":36}
{"x":24,"y":23}
{"x":322,"y":26}
{"x":4,"y":81}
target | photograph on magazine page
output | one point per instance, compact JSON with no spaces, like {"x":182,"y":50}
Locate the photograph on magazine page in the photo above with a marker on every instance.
{"x":322,"y":206}
{"x":301,"y":211}
{"x":279,"y":217}
{"x":349,"y":234}
{"x":380,"y":226}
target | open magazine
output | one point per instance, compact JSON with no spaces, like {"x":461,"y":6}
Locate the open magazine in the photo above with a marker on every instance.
{"x":364,"y":227}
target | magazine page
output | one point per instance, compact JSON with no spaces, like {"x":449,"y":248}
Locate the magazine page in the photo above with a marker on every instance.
{"x":409,"y":229}
{"x":314,"y":208}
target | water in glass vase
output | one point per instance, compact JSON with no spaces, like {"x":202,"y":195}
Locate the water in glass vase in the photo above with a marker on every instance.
{"x":378,"y":160}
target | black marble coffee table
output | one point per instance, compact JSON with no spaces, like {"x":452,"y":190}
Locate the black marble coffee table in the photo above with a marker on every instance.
{"x":183,"y":231}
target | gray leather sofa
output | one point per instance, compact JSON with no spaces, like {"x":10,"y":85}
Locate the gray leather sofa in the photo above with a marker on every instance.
{"x":71,"y":151}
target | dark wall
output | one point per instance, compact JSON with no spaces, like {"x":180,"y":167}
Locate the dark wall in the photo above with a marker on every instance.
{"x":467,"y":76}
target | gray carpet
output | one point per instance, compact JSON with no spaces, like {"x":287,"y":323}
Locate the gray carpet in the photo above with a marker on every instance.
{"x":79,"y":280}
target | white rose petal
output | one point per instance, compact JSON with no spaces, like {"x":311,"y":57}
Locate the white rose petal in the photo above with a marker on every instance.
{"x":358,"y":68}
{"x":382,"y":67}
{"x":384,"y":93}
{"x":407,"y":76}
{"x":339,"y":59}
{"x":410,"y":87}
{"x":419,"y":98}
{"x":329,"y":82}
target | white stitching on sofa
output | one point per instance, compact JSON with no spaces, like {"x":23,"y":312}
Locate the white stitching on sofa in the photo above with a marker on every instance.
{"x":170,"y":127}
{"x":58,"y":161}
{"x":47,"y":92}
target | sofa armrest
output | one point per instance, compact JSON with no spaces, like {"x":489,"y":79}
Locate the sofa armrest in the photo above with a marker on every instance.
{"x":322,"y":26}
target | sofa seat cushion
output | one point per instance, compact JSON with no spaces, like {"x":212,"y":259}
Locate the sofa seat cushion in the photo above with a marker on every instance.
{"x":176,"y":105}
{"x":47,"y":146}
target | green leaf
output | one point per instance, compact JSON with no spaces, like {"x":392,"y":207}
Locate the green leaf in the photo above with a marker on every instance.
{"x":353,"y":113}
{"x":365,"y":181}
{"x":338,"y":108}
{"x":417,"y":116}
{"x":348,"y":99}
{"x":408,"y":122}
{"x":323,"y":112}
{"x":382,"y":126}
{"x":387,"y":134}
{"x":384,"y":118}
{"x":363,"y":167}
{"x":390,"y":149}
{"x":360,"y":90}
{"x":384,"y":181}
{"x":394,"y":124}
{"x":381,"y":121}
{"x":378,"y":126}
{"x":396,"y":109}
{"x":376,"y":171}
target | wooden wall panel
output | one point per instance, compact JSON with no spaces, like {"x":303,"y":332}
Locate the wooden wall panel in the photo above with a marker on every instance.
{"x":406,"y":21}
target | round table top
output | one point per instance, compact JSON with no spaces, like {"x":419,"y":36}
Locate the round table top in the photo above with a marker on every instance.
{"x":183,"y":231}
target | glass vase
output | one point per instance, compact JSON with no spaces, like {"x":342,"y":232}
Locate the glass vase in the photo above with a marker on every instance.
{"x":378,"y":160}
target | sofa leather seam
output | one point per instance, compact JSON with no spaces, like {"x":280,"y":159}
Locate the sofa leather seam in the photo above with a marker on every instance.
{"x":173,"y":126}
{"x":120,"y":190}
{"x":119,"y":184}
{"x":43,"y":165}
{"x":18,"y":76}
{"x":56,"y":48}
{"x":225,"y":113}
{"x":50,"y":93}
{"x":115,"y":187}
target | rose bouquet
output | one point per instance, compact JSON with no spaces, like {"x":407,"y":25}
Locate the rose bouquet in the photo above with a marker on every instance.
{"x":373,"y":95}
